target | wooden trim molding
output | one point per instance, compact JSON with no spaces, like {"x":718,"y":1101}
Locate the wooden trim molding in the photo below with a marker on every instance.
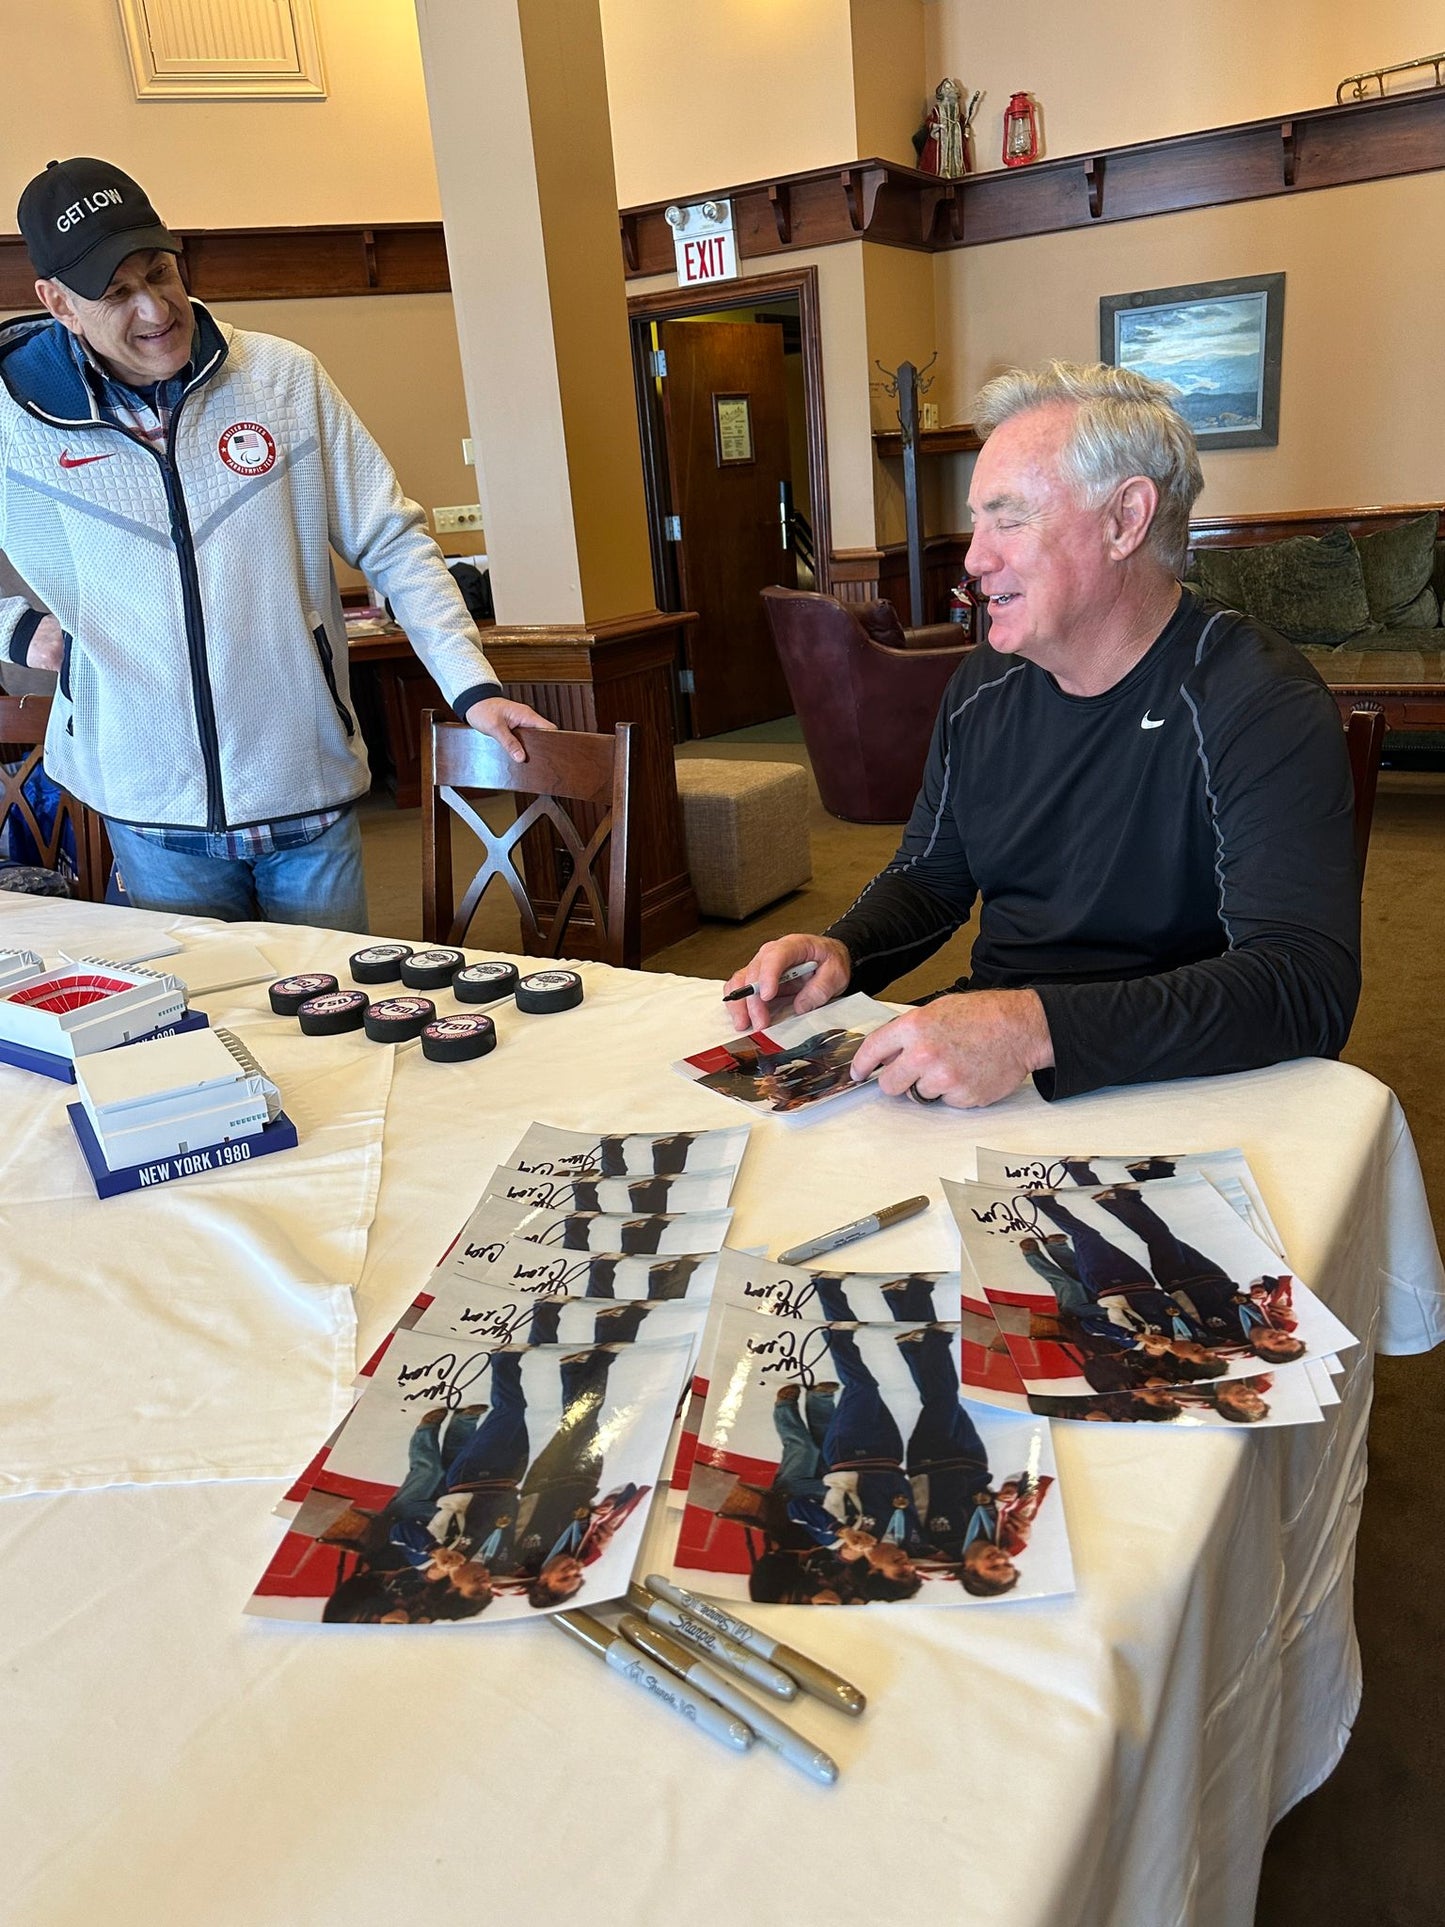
{"x":1333,"y":146}
{"x":1248,"y":531}
{"x":882,"y":201}
{"x":800,"y":284}
{"x":869,"y":200}
{"x":269,"y":264}
{"x":866,"y":200}
{"x":960,"y":439}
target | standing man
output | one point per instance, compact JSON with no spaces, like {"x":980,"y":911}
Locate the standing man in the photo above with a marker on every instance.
{"x":172,"y":488}
{"x":1149,"y":796}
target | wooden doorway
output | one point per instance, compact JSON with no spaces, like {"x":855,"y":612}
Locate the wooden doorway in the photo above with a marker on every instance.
{"x":735,"y":462}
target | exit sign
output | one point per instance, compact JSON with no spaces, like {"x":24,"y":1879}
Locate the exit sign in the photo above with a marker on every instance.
{"x":704,"y":243}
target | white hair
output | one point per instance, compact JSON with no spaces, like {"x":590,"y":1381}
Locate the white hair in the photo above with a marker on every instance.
{"x":1124,"y":424}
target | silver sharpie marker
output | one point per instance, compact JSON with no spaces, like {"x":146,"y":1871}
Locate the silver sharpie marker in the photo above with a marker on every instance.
{"x":798,"y":974}
{"x":812,"y":1677}
{"x":671,"y":1653}
{"x":860,"y":1228}
{"x":712,"y":1644}
{"x":623,"y":1658}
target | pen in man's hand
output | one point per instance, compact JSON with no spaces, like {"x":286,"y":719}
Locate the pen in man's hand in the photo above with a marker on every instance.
{"x":797,"y":975}
{"x":626,"y":1660}
{"x":772,"y":1731}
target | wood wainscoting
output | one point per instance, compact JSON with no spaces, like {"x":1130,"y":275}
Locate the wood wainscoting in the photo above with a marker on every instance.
{"x":862,"y":575}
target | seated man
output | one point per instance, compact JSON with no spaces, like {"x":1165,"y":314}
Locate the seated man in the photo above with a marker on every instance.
{"x":1149,"y":796}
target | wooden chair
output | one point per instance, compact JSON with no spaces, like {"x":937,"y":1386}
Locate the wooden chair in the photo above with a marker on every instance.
{"x":594,"y":772}
{"x":1365,"y":739}
{"x":23,"y":721}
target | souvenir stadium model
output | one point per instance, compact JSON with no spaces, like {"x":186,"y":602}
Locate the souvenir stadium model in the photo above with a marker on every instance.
{"x":84,"y":1006}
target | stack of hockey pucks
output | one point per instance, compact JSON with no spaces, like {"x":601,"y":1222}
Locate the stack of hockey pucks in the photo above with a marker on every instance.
{"x":324,"y":1009}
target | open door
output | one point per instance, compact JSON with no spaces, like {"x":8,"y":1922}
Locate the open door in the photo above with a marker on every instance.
{"x":725,"y":407}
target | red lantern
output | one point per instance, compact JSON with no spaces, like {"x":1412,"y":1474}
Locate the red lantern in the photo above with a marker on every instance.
{"x":1020,"y":132}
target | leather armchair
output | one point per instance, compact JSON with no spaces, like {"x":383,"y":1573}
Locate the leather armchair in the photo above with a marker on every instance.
{"x":867,"y":710}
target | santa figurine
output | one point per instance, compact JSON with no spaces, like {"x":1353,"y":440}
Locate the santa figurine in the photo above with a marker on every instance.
{"x":942,"y":141}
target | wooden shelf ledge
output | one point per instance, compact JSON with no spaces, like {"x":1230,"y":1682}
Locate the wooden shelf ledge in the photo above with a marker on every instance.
{"x":960,"y":439}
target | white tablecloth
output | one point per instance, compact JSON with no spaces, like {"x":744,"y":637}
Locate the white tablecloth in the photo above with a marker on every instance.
{"x":203,"y":1331}
{"x":1115,"y":1760}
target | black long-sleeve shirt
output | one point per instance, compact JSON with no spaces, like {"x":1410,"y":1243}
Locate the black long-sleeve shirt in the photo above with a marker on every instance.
{"x":1170,"y":865}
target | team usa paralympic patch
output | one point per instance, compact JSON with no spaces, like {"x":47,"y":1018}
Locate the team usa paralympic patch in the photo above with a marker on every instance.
{"x":247,"y":448}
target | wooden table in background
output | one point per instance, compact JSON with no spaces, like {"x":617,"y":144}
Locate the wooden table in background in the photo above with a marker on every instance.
{"x":588,"y":679}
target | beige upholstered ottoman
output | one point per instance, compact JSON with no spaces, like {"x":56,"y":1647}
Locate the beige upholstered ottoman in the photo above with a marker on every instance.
{"x":746,"y":826}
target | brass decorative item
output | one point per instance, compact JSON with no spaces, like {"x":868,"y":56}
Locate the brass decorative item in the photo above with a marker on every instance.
{"x":1370,"y":85}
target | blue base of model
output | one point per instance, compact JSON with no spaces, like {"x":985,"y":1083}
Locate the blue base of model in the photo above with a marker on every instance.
{"x":278,"y":1135}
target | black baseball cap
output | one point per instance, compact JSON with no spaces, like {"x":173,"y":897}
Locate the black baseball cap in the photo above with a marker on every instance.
{"x":81,"y":218}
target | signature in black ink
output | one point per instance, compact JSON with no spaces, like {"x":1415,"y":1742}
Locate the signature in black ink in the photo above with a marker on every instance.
{"x":791,"y":1354}
{"x":1010,"y":1215}
{"x":1037,"y":1174}
{"x":494,"y":1321}
{"x":785,"y":1298}
{"x":444,"y":1379}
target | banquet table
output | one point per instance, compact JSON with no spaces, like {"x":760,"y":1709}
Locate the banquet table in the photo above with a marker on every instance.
{"x":1113,"y":1759}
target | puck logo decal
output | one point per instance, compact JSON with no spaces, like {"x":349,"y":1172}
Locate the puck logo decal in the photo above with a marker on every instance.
{"x":247,"y":448}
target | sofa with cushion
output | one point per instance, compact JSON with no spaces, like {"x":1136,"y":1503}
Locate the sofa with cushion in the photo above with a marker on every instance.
{"x":1359,"y":590}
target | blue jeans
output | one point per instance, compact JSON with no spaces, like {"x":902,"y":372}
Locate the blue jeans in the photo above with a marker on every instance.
{"x":497,"y":1451}
{"x":862,"y":1427}
{"x":801,"y":1435}
{"x":321,"y":883}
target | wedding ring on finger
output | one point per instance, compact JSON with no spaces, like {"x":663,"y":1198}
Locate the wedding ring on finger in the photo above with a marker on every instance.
{"x":919,"y":1098}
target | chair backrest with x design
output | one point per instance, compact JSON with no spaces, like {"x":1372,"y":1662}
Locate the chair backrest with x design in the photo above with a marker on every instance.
{"x":592,"y":772}
{"x":23,"y":722}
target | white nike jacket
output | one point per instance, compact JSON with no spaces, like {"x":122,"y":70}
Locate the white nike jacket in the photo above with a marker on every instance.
{"x":205,"y":679}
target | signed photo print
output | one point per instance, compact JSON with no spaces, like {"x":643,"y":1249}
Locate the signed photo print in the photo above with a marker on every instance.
{"x":839,"y":1464}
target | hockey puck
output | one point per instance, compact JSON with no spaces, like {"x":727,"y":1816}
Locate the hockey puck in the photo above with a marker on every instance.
{"x":379,"y":963}
{"x":454,"y":1040}
{"x":337,"y":1011}
{"x":549,"y":990}
{"x":484,"y":983}
{"x":430,"y":969}
{"x":393,"y":1020}
{"x":288,"y":994}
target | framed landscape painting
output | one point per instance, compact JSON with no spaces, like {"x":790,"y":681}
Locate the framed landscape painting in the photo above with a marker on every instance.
{"x":1217,"y":342}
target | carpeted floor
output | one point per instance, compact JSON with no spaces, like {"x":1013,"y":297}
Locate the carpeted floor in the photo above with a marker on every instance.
{"x":1366,"y":1847}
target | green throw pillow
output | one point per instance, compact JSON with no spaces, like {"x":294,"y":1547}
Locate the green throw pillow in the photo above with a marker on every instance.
{"x":1398,"y":564}
{"x":1310,"y":588}
{"x":1217,"y":573}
